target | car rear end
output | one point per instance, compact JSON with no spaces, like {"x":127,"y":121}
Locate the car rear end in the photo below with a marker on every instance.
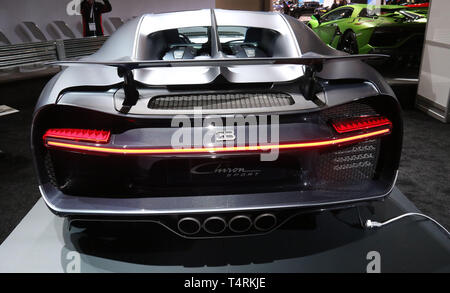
{"x":110,"y":166}
{"x":215,"y":150}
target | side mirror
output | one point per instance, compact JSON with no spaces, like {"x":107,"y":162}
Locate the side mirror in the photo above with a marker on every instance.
{"x":316,"y":16}
{"x":314,"y":22}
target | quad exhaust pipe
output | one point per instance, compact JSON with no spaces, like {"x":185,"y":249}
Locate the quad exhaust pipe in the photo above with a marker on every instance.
{"x":189,"y":226}
{"x":216,"y":225}
{"x":240,"y":224}
{"x":265,"y":222}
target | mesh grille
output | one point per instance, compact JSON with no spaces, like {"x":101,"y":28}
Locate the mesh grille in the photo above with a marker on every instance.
{"x":348,"y":111}
{"x":50,"y":170}
{"x":350,"y":164}
{"x":221,"y":101}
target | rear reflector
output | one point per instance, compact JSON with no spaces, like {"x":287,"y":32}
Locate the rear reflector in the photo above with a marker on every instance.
{"x":151,"y":151}
{"x":98,"y":136}
{"x":360,"y":123}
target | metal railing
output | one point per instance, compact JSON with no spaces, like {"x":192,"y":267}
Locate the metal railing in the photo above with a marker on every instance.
{"x":39,"y":53}
{"x":76,"y":48}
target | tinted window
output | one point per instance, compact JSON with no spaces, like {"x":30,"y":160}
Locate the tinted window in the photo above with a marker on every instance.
{"x":195,"y":42}
{"x":247,"y":42}
{"x":197,"y":35}
{"x":338,"y":14}
{"x":182,"y":43}
{"x":231,"y":33}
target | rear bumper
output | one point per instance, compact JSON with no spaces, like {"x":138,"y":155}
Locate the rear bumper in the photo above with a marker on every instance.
{"x":216,"y":187}
{"x":73,"y":206}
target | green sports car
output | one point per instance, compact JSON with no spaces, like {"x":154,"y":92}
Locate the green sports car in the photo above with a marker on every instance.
{"x":360,"y":28}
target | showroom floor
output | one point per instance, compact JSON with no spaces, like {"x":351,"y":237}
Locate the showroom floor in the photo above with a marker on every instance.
{"x":423,"y":174}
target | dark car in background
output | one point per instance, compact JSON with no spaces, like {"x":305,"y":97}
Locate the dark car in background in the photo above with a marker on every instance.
{"x":304,"y":8}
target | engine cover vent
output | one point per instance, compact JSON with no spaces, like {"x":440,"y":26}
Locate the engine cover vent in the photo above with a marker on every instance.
{"x":221,"y":101}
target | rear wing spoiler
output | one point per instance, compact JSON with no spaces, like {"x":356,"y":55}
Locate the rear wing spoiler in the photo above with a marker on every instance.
{"x":313,"y":62}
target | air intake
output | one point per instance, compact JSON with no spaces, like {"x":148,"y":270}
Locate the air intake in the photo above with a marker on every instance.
{"x":221,"y":101}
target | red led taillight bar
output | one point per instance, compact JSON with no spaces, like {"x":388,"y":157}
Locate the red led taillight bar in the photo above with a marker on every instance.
{"x":158,"y":151}
{"x":361,"y":123}
{"x":98,"y":136}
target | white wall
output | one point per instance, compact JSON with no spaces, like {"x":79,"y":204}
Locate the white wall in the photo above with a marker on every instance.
{"x":328,"y":3}
{"x":434,"y":79}
{"x":42,"y":12}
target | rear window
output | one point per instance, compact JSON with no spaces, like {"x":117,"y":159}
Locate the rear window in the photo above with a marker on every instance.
{"x":247,"y":42}
{"x":195,"y":42}
{"x":181,"y":43}
{"x":377,"y":12}
{"x":196,"y":35}
{"x":231,"y":33}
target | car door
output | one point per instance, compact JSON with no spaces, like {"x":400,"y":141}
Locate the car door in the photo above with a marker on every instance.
{"x":329,"y":23}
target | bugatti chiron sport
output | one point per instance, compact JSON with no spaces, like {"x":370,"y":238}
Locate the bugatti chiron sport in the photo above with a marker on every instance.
{"x":214,"y":123}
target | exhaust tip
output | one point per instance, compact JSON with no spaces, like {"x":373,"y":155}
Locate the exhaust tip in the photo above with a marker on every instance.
{"x":214,"y":225}
{"x":265,"y":222}
{"x":189,"y":226}
{"x":240,"y":224}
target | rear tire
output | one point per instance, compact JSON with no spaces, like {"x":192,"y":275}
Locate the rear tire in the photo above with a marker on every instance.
{"x":348,"y":43}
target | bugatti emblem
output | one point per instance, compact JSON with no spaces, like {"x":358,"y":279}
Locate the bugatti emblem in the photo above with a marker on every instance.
{"x":226,"y":135}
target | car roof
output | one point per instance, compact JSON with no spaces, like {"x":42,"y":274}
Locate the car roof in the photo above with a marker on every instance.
{"x":375,"y":6}
{"x":359,"y":7}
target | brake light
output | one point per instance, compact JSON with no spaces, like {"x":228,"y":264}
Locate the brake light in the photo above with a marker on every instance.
{"x":361,"y":123}
{"x":153,"y":151}
{"x":98,"y":136}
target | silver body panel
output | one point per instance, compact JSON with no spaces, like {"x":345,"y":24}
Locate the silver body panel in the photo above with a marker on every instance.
{"x":130,"y":43}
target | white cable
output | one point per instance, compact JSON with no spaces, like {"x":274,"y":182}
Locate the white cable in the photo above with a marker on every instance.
{"x":375,"y":224}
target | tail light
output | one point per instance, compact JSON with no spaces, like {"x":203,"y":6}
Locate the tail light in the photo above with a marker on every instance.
{"x":111,"y":149}
{"x":352,"y":153}
{"x":361,"y":123}
{"x":97,"y":136}
{"x":74,"y":139}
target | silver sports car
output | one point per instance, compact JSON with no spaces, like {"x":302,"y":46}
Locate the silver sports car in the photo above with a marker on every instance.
{"x":214,"y":123}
